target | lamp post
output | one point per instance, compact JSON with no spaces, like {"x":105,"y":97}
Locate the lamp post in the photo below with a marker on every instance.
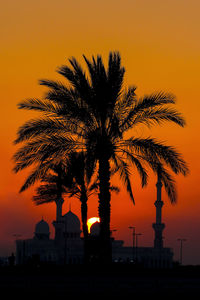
{"x":181,"y":249}
{"x":133,"y":229}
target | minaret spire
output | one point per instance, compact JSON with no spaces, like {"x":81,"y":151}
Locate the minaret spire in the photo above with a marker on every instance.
{"x":59,"y":204}
{"x":158,"y":226}
{"x":58,"y":224}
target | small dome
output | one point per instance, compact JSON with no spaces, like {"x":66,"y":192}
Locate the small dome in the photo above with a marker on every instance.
{"x":42,"y":227}
{"x":95,"y":228}
{"x":72,"y":222}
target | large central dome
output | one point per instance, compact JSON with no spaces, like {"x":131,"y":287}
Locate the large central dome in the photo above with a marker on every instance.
{"x":72,"y":222}
{"x":42,"y":230}
{"x":42,"y":227}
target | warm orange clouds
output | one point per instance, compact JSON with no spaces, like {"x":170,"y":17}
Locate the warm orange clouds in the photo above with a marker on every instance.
{"x":159,"y":44}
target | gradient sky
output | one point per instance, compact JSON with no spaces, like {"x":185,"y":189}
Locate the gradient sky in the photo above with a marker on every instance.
{"x":159,"y":42}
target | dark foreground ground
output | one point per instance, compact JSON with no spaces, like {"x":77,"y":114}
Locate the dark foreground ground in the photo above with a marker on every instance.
{"x":94,"y":281}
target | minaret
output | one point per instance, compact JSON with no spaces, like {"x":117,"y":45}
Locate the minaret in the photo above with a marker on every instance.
{"x":58,"y":224}
{"x":158,"y":226}
{"x":59,"y":204}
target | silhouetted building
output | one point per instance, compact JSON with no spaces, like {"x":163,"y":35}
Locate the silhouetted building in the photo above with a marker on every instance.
{"x":68,"y":246}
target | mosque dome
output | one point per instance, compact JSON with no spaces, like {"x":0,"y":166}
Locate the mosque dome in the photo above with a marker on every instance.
{"x":95,"y":228}
{"x":72,"y":222}
{"x":42,"y":230}
{"x":42,"y":227}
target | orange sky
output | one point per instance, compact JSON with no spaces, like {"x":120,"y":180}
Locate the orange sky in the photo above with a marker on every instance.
{"x":160,"y":48}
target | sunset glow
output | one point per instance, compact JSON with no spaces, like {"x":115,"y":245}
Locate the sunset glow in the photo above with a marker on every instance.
{"x":91,"y":221}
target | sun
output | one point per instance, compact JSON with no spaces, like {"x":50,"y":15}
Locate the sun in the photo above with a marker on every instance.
{"x":91,"y":221}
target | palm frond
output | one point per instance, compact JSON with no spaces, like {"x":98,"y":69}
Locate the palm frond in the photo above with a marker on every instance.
{"x":47,"y":193}
{"x":38,"y":105}
{"x":126,"y":102}
{"x":105,"y":85}
{"x":150,"y":111}
{"x":166,"y":178}
{"x":154,"y":99}
{"x":123,"y":170}
{"x":115,"y":75}
{"x":170,"y":186}
{"x":77,"y":78}
{"x":34,"y":176}
{"x":68,"y":74}
{"x":137,"y":163}
{"x":155,"y":150}
{"x":153,"y":116}
{"x":56,"y":86}
{"x":47,"y":126}
{"x":44,"y":148}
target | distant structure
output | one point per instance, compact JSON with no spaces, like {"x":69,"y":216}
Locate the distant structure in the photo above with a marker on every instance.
{"x":67,"y":247}
{"x":150,"y":257}
{"x":158,"y":226}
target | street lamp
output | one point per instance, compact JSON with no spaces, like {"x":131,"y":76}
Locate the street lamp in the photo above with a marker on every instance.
{"x":181,"y":249}
{"x":133,"y":229}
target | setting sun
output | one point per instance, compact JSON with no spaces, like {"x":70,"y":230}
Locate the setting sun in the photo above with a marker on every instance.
{"x":91,"y":221}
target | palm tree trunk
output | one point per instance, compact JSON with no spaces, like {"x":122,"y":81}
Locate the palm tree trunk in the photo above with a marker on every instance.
{"x":104,"y":210}
{"x":83,"y":199}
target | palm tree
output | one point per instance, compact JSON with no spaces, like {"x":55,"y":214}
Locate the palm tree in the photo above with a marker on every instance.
{"x":71,"y":181}
{"x":82,"y":187}
{"x":55,"y":184}
{"x":94,"y":113}
{"x":69,"y":177}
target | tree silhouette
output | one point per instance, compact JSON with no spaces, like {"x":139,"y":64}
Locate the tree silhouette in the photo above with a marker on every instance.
{"x":83,"y":187}
{"x":94,"y":113}
{"x":72,"y":181}
{"x":54,"y":186}
{"x":70,"y":177}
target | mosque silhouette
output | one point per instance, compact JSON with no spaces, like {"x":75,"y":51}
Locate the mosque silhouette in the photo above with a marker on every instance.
{"x":67,"y":247}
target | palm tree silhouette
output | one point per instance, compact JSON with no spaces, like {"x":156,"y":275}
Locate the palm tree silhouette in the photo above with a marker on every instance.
{"x":53,"y":188}
{"x":82,"y":186}
{"x":72,"y":181}
{"x":70,"y":177}
{"x":94,"y":113}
